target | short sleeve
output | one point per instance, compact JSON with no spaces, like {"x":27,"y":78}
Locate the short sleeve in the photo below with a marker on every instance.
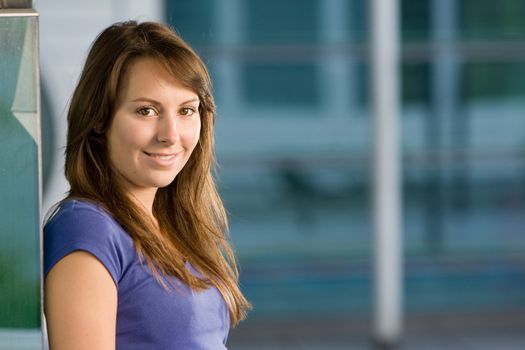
{"x":81,"y":226}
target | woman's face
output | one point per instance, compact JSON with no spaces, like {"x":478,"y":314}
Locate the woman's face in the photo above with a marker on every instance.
{"x":155,"y":128}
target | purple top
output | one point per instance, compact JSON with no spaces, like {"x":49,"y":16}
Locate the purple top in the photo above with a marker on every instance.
{"x":148,"y":315}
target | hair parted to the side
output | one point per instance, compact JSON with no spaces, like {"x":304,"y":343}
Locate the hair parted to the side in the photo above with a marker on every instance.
{"x":192,"y":222}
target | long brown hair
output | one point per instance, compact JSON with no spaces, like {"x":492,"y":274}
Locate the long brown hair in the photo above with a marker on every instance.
{"x":192,"y":222}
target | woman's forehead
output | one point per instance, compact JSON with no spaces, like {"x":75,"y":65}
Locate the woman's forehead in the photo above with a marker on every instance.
{"x":149,"y":76}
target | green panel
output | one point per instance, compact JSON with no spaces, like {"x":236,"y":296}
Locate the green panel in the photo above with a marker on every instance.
{"x":415,"y":83}
{"x":193,"y":20}
{"x":282,"y":84}
{"x":19,"y":185}
{"x":491,"y":20}
{"x":282,"y":22}
{"x":357,"y":21}
{"x":480,"y":77}
{"x":415,"y":20}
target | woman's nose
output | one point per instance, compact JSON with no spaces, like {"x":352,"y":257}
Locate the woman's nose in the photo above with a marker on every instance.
{"x":167,"y":131}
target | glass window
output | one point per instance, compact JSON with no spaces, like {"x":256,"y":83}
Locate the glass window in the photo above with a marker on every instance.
{"x":194,"y":20}
{"x":462,"y":177}
{"x":480,"y":78}
{"x":415,"y":20}
{"x":280,"y":84}
{"x":356,"y":22}
{"x":491,"y":20}
{"x":281,"y":22}
{"x":415,"y":83}
{"x":275,"y":23}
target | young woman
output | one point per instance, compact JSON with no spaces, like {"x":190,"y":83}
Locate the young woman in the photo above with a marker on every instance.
{"x":136,"y":256}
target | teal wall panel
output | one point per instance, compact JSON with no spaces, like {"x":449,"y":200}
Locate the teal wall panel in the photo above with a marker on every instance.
{"x":20,"y":307}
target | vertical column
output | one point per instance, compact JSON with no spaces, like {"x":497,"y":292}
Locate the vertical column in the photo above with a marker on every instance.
{"x":229,"y":36}
{"x":451,"y":128}
{"x":445,"y":66}
{"x":21,"y":178}
{"x":386,"y":182}
{"x":335,"y":85}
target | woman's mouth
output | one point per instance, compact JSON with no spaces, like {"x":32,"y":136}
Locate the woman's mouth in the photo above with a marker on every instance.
{"x":161,"y":156}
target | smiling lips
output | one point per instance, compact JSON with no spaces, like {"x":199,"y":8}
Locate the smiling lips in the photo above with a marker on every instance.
{"x":162,"y":156}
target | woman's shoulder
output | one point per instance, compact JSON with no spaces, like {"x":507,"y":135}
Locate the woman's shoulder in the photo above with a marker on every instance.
{"x":85,"y":225}
{"x":83,"y":214}
{"x":78,"y":209}
{"x":79,"y":219}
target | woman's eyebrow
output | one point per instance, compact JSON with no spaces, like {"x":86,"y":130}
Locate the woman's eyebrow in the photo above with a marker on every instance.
{"x":147,"y":99}
{"x":150,"y":100}
{"x":190,"y":101}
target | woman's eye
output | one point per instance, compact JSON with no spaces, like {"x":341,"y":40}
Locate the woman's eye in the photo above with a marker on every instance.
{"x":187,"y":111}
{"x":147,"y":112}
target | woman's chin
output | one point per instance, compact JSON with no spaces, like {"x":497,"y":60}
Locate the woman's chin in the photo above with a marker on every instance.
{"x":164,"y":182}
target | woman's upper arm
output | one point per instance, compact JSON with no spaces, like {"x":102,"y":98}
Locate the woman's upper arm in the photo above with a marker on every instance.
{"x":80,"y":303}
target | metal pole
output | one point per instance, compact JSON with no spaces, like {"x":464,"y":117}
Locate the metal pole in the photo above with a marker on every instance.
{"x":386,"y":187}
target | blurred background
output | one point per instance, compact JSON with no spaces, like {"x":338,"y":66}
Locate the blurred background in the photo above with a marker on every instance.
{"x":294,"y":144}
